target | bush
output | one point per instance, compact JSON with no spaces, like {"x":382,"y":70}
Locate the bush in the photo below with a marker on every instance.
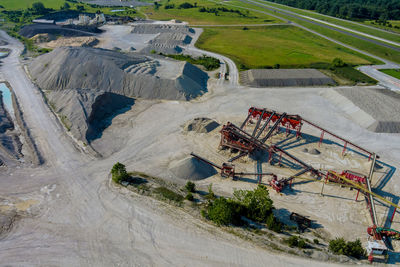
{"x":118,"y":173}
{"x":296,"y":241}
{"x":316,"y":241}
{"x":190,"y":187}
{"x":350,"y":248}
{"x":209,"y":63}
{"x":293,"y":241}
{"x":222,"y":212}
{"x":189,"y":196}
{"x":338,"y":63}
{"x":210,"y":195}
{"x":168,"y":194}
{"x":186,"y":5}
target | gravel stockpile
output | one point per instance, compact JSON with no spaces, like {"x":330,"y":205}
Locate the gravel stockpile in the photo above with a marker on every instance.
{"x":147,"y":28}
{"x":78,"y":78}
{"x":169,"y":40}
{"x":284,"y":77}
{"x":31,"y":30}
{"x":192,"y":169}
{"x":381,"y":104}
{"x":201,"y":125}
{"x":168,"y":43}
{"x":116,"y":3}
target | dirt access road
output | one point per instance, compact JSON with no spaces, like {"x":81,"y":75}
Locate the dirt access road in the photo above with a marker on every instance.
{"x":80,"y":220}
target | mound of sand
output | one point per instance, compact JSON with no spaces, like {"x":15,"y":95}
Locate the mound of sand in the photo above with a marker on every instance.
{"x":72,"y":41}
{"x":284,"y":77}
{"x":192,"y":169}
{"x":31,"y":30}
{"x":377,"y":110}
{"x":200,"y":125}
{"x":76,"y":78}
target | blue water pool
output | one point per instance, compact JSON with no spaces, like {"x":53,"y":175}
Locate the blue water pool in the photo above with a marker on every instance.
{"x":7,"y":98}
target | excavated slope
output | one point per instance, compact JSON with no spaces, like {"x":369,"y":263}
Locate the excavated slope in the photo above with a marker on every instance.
{"x":87,"y":85}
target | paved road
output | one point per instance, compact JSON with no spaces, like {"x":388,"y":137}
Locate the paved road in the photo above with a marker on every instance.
{"x":227,"y":65}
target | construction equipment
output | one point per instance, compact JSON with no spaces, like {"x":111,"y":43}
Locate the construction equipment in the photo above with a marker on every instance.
{"x":267,"y":122}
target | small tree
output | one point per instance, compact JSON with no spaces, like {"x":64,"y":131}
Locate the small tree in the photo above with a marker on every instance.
{"x":119,"y":173}
{"x":80,"y":8}
{"x":210,"y":194}
{"x":39,"y":8}
{"x":338,"y":63}
{"x":257,"y":202}
{"x":190,"y":187}
{"x":66,"y":6}
{"x":189,"y":196}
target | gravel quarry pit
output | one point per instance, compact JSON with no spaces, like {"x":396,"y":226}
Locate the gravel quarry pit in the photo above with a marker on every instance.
{"x":83,"y":220}
{"x":375,"y":109}
{"x":71,"y":79}
{"x":284,"y":78}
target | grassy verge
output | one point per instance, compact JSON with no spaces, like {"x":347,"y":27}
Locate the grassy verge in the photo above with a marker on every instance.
{"x":214,"y":13}
{"x":347,"y":75}
{"x":395,"y":25}
{"x":392,"y":72}
{"x":263,"y":47}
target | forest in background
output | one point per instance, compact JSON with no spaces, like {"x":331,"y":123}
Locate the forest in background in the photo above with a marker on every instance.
{"x":379,"y":10}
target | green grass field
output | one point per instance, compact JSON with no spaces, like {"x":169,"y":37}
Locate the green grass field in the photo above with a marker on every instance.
{"x":288,"y":46}
{"x":354,"y":26}
{"x":56,"y":4}
{"x":194,"y":17}
{"x":377,"y":50}
{"x":24,"y":4}
{"x":392,"y":72}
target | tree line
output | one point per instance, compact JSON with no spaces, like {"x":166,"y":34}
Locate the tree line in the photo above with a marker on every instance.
{"x":380,"y":10}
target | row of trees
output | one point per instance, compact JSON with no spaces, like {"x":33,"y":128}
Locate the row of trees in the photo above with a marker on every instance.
{"x":381,"y":10}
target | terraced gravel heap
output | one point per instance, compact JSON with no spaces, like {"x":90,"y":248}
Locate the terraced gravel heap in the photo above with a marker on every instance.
{"x":284,"y":77}
{"x":87,"y":85}
{"x":381,"y":104}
